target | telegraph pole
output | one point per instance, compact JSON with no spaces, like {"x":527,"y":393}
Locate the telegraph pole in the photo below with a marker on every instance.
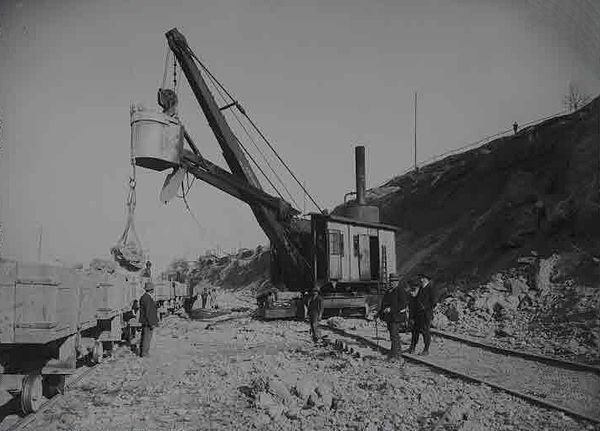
{"x":39,"y":253}
{"x":415,"y":149}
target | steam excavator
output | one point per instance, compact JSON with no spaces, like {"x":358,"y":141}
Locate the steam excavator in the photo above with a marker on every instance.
{"x":347,"y":257}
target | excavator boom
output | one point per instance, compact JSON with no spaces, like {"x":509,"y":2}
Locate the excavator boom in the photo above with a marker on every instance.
{"x":247,"y":187}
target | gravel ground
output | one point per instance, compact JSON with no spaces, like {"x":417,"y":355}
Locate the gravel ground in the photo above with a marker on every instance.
{"x":577,"y":390}
{"x":241,"y":373}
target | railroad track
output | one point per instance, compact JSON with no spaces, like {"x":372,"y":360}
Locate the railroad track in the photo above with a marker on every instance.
{"x":566,"y":386}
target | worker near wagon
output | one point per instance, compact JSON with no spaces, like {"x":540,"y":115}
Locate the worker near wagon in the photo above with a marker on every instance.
{"x":188,"y":303}
{"x":204,"y":297}
{"x":420,"y":311}
{"x":146,"y":274}
{"x":209,"y":299}
{"x":315,"y":312}
{"x":148,"y":318}
{"x":213,"y":294}
{"x":147,"y":271}
{"x":394,"y":308}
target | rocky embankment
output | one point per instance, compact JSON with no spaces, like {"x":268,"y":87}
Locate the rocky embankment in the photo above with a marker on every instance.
{"x":535,"y":308}
{"x":245,"y":271}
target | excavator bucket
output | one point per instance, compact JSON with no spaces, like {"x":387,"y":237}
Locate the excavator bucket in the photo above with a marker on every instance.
{"x":156,"y":139}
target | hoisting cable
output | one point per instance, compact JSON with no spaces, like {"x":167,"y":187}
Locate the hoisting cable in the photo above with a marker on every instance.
{"x":252,"y":159}
{"x":175,"y":89}
{"x":260,"y":152}
{"x":216,"y":85}
{"x":264,"y":158}
{"x":165,"y":71}
{"x":281,"y":160}
{"x":184,"y":190}
{"x":242,"y":110}
{"x":128,"y":251}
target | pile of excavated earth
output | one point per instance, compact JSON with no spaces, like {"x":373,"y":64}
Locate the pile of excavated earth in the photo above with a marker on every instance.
{"x":547,"y":314}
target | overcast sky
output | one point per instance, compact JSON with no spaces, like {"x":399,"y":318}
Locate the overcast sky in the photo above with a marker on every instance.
{"x":319,"y":76}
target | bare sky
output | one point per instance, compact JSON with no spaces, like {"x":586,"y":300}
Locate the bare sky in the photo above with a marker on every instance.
{"x":319,"y":76}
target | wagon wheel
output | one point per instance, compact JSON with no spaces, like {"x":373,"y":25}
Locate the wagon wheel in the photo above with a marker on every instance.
{"x":31,"y":393}
{"x":54,"y":384}
{"x":97,"y":352}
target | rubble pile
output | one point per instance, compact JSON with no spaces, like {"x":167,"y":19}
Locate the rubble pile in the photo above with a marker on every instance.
{"x":246,"y":270}
{"x":287,"y":396}
{"x":550,"y":314}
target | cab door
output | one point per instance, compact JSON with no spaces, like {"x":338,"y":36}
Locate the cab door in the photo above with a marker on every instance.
{"x":335,"y":242}
{"x":364,"y":257}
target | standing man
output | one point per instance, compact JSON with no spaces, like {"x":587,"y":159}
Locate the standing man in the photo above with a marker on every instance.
{"x":146,"y":274}
{"x":147,"y":271}
{"x":188,"y":303}
{"x":148,"y":318}
{"x":315,"y":312}
{"x":421,"y":312}
{"x":204,"y":296}
{"x":394,"y":307}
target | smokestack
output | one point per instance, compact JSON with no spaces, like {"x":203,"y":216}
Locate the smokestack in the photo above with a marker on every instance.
{"x":359,"y":155}
{"x":359,"y":210}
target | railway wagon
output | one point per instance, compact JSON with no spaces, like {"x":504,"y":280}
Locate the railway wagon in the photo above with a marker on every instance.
{"x":115,"y":294}
{"x":51,"y":316}
{"x":169,"y":296}
{"x":162,"y":296}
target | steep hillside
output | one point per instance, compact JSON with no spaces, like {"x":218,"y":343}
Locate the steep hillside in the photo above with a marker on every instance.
{"x":245,"y":270}
{"x":470,"y":215}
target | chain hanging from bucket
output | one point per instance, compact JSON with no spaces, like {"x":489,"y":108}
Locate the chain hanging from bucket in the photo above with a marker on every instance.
{"x":128,"y":251}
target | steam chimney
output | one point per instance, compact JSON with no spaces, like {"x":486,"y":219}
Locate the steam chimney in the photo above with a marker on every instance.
{"x":359,"y":155}
{"x":359,"y":210}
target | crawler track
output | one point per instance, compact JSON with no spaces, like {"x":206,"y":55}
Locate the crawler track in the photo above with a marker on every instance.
{"x":569,"y":387}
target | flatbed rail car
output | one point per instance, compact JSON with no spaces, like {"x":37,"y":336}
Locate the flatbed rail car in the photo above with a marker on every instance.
{"x":51,"y":316}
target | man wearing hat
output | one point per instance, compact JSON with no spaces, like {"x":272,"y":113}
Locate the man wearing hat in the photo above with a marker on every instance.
{"x":394,"y":313}
{"x":315,"y":312}
{"x":148,"y":318}
{"x":421,"y":311}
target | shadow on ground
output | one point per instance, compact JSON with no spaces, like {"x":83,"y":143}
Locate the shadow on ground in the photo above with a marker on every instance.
{"x":205,"y":314}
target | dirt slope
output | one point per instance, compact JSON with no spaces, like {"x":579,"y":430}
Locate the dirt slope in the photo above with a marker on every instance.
{"x":473,"y":214}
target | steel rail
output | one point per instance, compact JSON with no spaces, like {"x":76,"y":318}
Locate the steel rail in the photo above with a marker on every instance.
{"x":421,"y":360}
{"x":550,"y":360}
